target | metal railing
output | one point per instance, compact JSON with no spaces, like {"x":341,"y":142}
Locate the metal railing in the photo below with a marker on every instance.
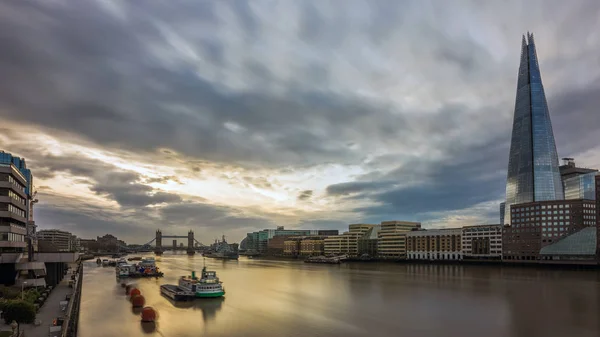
{"x":70,"y":325}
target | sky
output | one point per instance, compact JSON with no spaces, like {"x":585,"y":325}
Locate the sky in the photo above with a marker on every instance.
{"x":226,"y":117}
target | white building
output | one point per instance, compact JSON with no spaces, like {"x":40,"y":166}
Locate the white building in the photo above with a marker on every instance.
{"x":434,"y":244}
{"x":60,"y":239}
{"x":482,"y":242}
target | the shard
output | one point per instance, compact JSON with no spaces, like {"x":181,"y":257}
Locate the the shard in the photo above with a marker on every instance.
{"x":533,"y":173}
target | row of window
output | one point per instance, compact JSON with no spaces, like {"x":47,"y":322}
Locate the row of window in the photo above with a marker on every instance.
{"x":528,"y":214}
{"x":544,"y":224}
{"x":533,"y":208}
{"x":13,"y":237}
{"x":589,"y":211}
{"x":16,"y":197}
{"x":589,"y":205}
{"x":16,"y":183}
{"x":14,"y":209}
{"x":549,"y":235}
{"x":589,"y":223}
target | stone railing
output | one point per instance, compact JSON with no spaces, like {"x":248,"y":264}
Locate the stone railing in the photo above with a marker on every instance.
{"x":69,"y":328}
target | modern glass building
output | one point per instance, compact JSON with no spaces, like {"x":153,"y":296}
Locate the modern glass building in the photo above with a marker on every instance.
{"x":533,"y":173}
{"x":581,"y":186}
{"x":7,"y":158}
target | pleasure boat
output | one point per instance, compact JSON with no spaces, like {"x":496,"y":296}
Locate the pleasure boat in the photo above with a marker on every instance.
{"x":207,"y":286}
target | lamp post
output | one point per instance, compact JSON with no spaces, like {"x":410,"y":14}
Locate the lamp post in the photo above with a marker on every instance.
{"x":22,"y":290}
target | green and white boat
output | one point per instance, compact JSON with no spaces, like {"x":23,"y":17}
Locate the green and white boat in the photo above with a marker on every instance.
{"x":207,"y":286}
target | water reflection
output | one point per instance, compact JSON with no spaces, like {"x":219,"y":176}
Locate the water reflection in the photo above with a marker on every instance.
{"x":285,"y":298}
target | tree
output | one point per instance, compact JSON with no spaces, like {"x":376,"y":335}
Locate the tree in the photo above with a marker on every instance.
{"x":20,"y":311}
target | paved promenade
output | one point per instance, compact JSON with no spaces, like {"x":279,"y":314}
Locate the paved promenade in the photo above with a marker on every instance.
{"x":50,"y":310}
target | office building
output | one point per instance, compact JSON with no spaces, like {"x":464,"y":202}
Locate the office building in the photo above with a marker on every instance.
{"x":483,"y":242}
{"x":367,"y":245}
{"x":434,"y":244}
{"x":61,"y":240}
{"x":391,"y":239}
{"x":538,"y":224}
{"x":13,"y":210}
{"x":533,"y":173}
{"x":346,"y":243}
{"x":257,"y":242}
{"x":275,"y":245}
{"x":312,"y":246}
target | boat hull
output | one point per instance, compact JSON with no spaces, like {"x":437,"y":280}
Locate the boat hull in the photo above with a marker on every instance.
{"x":210,"y":295}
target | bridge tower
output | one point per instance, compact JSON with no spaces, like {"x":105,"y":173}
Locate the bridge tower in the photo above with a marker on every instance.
{"x":190,"y":246}
{"x":158,"y":250}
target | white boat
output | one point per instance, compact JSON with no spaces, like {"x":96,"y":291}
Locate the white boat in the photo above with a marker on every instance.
{"x":104,"y":262}
{"x":124,"y":270}
{"x":208,"y":285}
{"x":147,"y":262}
{"x":121,"y":261}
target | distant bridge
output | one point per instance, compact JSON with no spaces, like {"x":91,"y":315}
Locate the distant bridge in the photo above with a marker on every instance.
{"x":158,"y":247}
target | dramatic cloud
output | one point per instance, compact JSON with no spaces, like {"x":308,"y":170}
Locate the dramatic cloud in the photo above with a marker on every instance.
{"x":228,"y":116}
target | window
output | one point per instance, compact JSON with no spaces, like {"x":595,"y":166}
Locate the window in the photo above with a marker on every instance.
{"x":543,"y":206}
{"x":560,"y":206}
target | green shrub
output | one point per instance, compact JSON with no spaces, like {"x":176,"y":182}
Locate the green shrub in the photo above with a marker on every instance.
{"x":9,"y":292}
{"x":31,"y":295}
{"x":20,"y":311}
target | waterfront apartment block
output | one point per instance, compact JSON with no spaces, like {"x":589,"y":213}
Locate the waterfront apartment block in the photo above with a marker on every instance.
{"x":435,"y":244}
{"x":391,"y":238}
{"x":535,"y":225}
{"x":312,"y":246}
{"x":61,"y":241}
{"x":347,"y":243}
{"x":13,"y":210}
{"x":483,"y":242}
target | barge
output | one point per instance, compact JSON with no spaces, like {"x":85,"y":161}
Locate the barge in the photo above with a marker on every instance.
{"x":176,"y":293}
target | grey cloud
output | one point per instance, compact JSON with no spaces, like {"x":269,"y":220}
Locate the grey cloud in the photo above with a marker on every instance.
{"x":124,"y":187}
{"x":305,"y":195}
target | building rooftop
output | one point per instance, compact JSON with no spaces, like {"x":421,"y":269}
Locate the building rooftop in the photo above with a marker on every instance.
{"x":582,"y":242}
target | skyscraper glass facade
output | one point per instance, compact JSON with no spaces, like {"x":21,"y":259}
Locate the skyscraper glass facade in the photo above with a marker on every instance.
{"x":581,"y":186}
{"x":533,"y":173}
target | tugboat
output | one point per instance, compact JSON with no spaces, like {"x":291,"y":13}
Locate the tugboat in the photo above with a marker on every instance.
{"x":207,"y":286}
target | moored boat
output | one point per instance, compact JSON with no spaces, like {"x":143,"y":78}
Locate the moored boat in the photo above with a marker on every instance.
{"x":208,"y":285}
{"x":176,"y":293}
{"x":105,"y":262}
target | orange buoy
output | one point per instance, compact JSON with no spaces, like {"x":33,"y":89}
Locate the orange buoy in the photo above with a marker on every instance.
{"x":133,"y":292}
{"x":138,"y":301}
{"x":148,"y":314}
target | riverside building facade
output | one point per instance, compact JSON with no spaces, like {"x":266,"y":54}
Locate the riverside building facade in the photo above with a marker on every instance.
{"x":435,"y":244}
{"x":538,"y":224}
{"x":346,"y":243}
{"x":483,"y":242}
{"x":391,"y":239}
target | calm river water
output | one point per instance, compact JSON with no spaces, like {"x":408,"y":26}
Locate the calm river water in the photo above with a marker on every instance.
{"x":288,"y":298}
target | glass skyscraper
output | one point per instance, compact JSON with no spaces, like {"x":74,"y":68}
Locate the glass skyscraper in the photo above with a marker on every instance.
{"x":533,"y":173}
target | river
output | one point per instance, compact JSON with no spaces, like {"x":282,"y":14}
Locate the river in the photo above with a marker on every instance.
{"x":290,"y":298}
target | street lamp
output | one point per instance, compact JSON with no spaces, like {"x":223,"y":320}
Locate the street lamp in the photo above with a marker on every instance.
{"x":22,"y":290}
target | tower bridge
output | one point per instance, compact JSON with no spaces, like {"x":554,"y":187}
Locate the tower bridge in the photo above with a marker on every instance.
{"x":159,"y":248}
